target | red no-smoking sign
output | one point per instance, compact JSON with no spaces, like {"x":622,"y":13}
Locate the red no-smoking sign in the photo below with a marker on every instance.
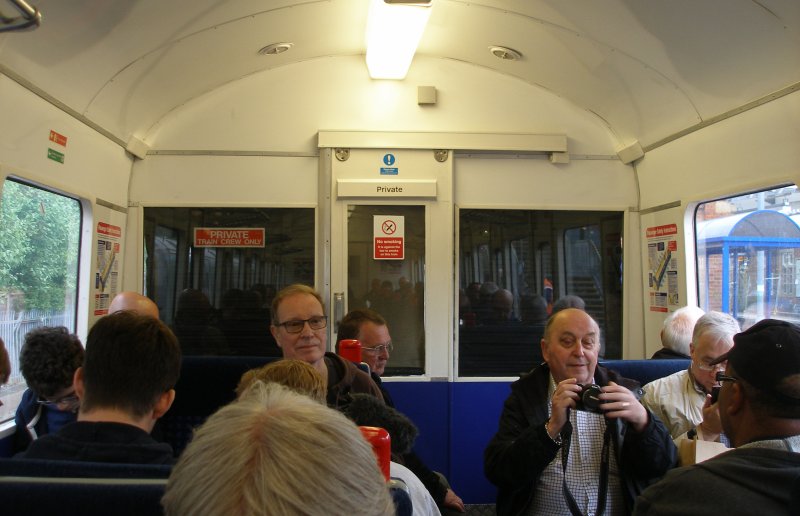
{"x":389,"y":237}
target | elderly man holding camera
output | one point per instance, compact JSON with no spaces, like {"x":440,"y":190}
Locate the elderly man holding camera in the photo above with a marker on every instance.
{"x":573,"y":436}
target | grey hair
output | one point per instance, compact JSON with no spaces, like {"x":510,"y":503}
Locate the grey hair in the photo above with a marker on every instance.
{"x":719,"y":325}
{"x":678,"y":328}
{"x":276,"y":452}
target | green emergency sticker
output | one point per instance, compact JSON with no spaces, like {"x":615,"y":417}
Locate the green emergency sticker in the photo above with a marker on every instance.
{"x":55,"y":155}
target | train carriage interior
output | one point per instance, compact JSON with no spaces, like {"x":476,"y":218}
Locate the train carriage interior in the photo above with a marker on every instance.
{"x":639,"y":156}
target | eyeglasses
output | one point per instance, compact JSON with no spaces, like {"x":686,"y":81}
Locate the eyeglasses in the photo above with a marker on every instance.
{"x":709,"y":368}
{"x":722,"y":377}
{"x":68,"y":402}
{"x":377,"y":350}
{"x":296,"y":326}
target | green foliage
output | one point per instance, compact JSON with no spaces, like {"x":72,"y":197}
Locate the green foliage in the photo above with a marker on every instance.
{"x":39,"y":238}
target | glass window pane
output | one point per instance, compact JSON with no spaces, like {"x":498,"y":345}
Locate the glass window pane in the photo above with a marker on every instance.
{"x":39,"y":251}
{"x":214,"y":271}
{"x":392,"y":287}
{"x":747,"y":255}
{"x":521,"y":262}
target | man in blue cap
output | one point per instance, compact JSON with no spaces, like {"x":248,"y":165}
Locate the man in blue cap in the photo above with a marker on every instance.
{"x":759,"y":406}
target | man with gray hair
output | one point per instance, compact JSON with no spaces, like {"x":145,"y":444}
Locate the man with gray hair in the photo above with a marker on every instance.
{"x":683,"y":400}
{"x":676,"y":335}
{"x":759,"y":402}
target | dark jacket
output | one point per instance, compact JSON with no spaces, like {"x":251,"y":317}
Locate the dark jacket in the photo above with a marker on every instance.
{"x":101,"y":442}
{"x":521,"y":449}
{"x":42,"y":419}
{"x":741,"y":481}
{"x":387,"y":398}
{"x":429,"y":478}
{"x":668,"y":354}
{"x":344,"y":377}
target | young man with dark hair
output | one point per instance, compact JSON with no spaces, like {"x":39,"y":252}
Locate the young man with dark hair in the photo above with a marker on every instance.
{"x":126,"y":383}
{"x":48,"y":361}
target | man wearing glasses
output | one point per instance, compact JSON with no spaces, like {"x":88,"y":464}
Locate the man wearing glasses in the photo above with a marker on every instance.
{"x":683,"y":401}
{"x":299,"y":325}
{"x":370,"y":328}
{"x":48,"y":361}
{"x":759,"y":405}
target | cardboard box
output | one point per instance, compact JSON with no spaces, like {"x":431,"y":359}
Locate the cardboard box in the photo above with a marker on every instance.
{"x":691,"y":451}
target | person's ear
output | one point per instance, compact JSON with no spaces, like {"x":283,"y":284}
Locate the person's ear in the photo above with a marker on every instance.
{"x":545,"y":353}
{"x":274,"y":331}
{"x":163,"y":403}
{"x":736,"y":399}
{"x":77,"y":383}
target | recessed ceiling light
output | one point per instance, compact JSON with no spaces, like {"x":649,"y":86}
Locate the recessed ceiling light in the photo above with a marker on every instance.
{"x":275,"y":49}
{"x":509,"y":54}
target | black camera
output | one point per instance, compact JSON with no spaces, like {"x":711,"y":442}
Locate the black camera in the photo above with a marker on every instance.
{"x":589,"y":399}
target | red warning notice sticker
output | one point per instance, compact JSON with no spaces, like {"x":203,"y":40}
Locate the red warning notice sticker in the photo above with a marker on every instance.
{"x":389,"y":237}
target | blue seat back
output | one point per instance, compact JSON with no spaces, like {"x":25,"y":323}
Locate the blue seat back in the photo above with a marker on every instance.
{"x":205,"y":385}
{"x":645,"y":371}
{"x":23,"y":496}
{"x":78,"y":469}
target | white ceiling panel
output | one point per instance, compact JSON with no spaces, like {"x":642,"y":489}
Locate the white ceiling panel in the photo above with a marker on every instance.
{"x":647,"y":68}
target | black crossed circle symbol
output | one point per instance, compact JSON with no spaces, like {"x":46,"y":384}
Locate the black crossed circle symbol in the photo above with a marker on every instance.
{"x":389,"y":227}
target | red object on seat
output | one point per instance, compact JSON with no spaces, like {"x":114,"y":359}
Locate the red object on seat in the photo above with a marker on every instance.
{"x":381,"y":446}
{"x":350,"y":349}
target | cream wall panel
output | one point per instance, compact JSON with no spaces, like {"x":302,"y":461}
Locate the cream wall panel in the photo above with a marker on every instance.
{"x":241,"y":115}
{"x":93,"y":165}
{"x":225,"y":180}
{"x":756,"y":149}
{"x":588,"y":185}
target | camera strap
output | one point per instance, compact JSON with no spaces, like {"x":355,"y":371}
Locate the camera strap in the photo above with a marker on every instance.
{"x":602,"y":488}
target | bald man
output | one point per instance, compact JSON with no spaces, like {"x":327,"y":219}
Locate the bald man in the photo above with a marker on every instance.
{"x":135,"y":302}
{"x":554,"y":455}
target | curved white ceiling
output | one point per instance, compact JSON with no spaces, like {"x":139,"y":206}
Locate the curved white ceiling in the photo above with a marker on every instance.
{"x":648,"y":68}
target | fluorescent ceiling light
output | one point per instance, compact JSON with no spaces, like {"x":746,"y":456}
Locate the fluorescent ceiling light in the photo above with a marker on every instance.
{"x":393,"y":33}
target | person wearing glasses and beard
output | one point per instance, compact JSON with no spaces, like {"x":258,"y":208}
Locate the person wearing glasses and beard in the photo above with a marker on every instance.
{"x":759,"y":405}
{"x":683,"y":401}
{"x":48,"y":361}
{"x":299,"y":325}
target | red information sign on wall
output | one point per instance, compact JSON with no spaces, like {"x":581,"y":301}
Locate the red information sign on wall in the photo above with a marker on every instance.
{"x":57,"y":138}
{"x":229,"y":237}
{"x":662,"y":231}
{"x":109,"y":230}
{"x":389,"y":237}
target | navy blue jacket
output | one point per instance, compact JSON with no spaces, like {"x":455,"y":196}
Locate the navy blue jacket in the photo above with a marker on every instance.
{"x":47,"y":420}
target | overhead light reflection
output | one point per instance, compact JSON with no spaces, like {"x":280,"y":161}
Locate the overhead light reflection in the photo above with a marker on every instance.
{"x":393,"y":33}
